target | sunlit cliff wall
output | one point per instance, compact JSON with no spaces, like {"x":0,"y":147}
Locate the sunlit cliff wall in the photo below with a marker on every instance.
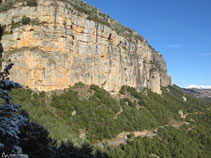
{"x":64,"y":44}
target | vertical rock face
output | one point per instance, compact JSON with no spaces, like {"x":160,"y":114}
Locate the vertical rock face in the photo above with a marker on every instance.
{"x":63,"y":44}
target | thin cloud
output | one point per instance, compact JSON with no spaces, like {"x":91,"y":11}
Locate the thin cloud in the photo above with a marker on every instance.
{"x":205,"y":54}
{"x":174,"y":45}
{"x":199,"y":86}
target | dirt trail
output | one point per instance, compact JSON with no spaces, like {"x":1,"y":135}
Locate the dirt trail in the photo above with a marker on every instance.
{"x":117,"y":114}
{"x":124,"y":137}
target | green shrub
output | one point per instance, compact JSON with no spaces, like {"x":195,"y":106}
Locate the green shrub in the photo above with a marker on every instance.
{"x":123,"y":90}
{"x":42,"y":94}
{"x":94,"y":87}
{"x":31,"y":3}
{"x":98,"y":20}
{"x":25,"y":20}
{"x":127,"y":101}
{"x":7,"y":5}
{"x":79,"y":85}
{"x":14,"y":25}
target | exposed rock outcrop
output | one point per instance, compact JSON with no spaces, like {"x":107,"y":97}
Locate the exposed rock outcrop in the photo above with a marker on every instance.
{"x":60,"y":44}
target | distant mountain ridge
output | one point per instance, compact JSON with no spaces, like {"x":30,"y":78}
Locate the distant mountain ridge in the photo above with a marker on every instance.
{"x":198,"y":87}
{"x":200,"y":92}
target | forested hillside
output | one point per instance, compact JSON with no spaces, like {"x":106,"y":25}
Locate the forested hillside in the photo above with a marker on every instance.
{"x":130,"y":124}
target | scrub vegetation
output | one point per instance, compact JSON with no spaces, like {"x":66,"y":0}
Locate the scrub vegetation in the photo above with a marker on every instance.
{"x":65,"y":114}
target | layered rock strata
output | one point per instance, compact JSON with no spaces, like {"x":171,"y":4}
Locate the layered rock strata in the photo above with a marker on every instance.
{"x":55,"y":45}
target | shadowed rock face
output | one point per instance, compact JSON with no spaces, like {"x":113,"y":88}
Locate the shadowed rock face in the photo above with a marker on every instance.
{"x":62,"y":46}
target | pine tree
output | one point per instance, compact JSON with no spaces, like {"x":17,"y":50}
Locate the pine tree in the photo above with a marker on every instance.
{"x":10,"y":120}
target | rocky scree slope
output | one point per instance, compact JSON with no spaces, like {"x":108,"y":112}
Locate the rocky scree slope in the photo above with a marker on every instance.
{"x":55,"y":44}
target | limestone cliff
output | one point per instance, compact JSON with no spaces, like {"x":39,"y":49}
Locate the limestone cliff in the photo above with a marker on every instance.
{"x":57,"y":43}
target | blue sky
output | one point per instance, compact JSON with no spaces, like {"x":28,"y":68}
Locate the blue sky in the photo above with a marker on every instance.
{"x":179,"y":29}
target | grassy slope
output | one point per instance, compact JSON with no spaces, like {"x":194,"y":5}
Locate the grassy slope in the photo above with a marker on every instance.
{"x":140,"y":111}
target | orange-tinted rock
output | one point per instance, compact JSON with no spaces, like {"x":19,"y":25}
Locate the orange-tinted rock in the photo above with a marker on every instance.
{"x":63,"y":47}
